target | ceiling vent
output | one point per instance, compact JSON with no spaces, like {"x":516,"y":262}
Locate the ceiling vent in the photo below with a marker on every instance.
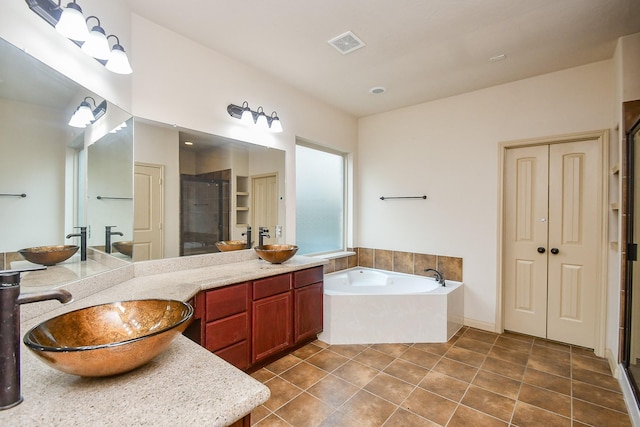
{"x":346,"y":43}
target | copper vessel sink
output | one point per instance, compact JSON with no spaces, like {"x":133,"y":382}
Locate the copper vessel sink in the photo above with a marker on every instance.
{"x":231,"y":245}
{"x":48,"y":255}
{"x":125,"y":248}
{"x":108,"y":339}
{"x":276,"y":254}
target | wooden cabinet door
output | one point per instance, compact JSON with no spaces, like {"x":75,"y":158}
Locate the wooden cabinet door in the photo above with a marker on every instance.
{"x":308,"y":311}
{"x":272,"y":325}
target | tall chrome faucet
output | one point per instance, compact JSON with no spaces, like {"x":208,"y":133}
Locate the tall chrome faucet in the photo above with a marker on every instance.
{"x":83,"y":241}
{"x":262,"y":233}
{"x":107,"y":237}
{"x":10,"y":300}
{"x":436,"y":275}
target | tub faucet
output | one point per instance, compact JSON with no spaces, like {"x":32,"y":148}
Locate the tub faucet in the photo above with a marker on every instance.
{"x":248,"y":234}
{"x":10,"y":300}
{"x":436,"y":275}
{"x":262,"y":233}
{"x":107,"y":237}
{"x":83,"y":242}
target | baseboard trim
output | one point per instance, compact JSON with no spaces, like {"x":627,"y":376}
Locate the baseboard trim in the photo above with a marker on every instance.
{"x":616,"y":369}
{"x":629,"y":398}
{"x":485,"y":326}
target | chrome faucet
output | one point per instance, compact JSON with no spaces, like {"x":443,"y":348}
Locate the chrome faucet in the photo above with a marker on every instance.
{"x":436,"y":275}
{"x":262,"y":233}
{"x":248,"y":234}
{"x":83,"y":242}
{"x":107,"y":237}
{"x":10,"y":300}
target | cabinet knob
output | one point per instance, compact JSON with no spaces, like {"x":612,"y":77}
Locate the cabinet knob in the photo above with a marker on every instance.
{"x":555,"y":251}
{"x":541,"y":250}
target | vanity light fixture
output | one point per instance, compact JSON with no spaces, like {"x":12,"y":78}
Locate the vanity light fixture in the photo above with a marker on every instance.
{"x":255,"y":118}
{"x":70,"y":22}
{"x":85,"y":115}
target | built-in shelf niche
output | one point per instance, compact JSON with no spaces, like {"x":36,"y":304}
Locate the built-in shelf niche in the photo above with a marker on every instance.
{"x":242,"y":201}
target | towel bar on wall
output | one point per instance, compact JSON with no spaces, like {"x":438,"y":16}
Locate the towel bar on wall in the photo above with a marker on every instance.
{"x":113,"y":198}
{"x":13,"y":195}
{"x":403,"y":197}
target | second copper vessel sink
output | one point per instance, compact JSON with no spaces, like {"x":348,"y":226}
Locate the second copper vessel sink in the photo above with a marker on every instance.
{"x":124,"y":247}
{"x":231,"y":245}
{"x":109,"y":339}
{"x":48,"y":255}
{"x":276,"y":254}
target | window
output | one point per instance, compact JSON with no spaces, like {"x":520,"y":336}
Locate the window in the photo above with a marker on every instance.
{"x":320,"y":200}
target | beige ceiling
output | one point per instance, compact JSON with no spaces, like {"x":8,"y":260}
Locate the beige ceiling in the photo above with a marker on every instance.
{"x":419,"y":50}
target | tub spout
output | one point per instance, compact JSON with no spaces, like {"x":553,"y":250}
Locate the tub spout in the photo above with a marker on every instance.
{"x":436,"y":275}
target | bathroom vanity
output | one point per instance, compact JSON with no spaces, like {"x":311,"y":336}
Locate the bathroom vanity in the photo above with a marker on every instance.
{"x":249,"y":311}
{"x":250,"y":323}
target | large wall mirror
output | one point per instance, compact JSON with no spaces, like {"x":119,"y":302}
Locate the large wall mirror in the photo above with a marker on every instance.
{"x":52,"y":172}
{"x":216,"y":187}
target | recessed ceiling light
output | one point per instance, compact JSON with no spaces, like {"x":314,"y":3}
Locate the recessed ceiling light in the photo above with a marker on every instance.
{"x":377,"y":90}
{"x":497,"y":58}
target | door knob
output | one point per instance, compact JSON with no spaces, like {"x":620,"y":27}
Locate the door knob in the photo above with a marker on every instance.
{"x":541,"y":250}
{"x":555,"y":251}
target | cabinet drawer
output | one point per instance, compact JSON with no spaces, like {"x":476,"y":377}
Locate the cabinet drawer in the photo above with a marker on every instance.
{"x":226,"y":301}
{"x":307,"y":277}
{"x":224,"y":332}
{"x":236,"y":354}
{"x":271,"y":286}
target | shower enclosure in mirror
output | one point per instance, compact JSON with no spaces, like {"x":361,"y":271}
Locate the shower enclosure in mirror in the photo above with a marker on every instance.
{"x":631,"y":347}
{"x":205,"y":211}
{"x":47,"y":160}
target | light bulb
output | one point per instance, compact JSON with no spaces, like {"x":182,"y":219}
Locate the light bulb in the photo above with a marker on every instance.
{"x":118,"y":61}
{"x":96,"y":44}
{"x":276,"y":126}
{"x":247,"y":116}
{"x":82,"y":116}
{"x":72,"y":24}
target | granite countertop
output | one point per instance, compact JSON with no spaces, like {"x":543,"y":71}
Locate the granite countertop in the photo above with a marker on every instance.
{"x":185,"y":385}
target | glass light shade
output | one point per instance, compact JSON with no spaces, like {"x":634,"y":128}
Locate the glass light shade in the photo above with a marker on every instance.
{"x":118,"y":61}
{"x":262,"y":123}
{"x":246,"y":117}
{"x":82,"y":116}
{"x":276,"y":126}
{"x":97,"y":44}
{"x":72,"y":24}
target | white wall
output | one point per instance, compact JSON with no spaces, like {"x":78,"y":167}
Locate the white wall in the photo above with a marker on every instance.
{"x":448,"y":150}
{"x":178,"y":81}
{"x":37,"y":149}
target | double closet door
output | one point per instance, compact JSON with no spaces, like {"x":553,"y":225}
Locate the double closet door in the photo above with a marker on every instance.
{"x":552,"y":230}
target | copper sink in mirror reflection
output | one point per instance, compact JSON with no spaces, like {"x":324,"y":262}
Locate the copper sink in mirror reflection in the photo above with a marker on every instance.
{"x":108,"y":339}
{"x":231,"y":245}
{"x":125,"y":247}
{"x":276,"y":254}
{"x":48,"y":255}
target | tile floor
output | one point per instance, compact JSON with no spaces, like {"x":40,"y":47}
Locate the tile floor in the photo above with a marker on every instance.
{"x":475,"y":379}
